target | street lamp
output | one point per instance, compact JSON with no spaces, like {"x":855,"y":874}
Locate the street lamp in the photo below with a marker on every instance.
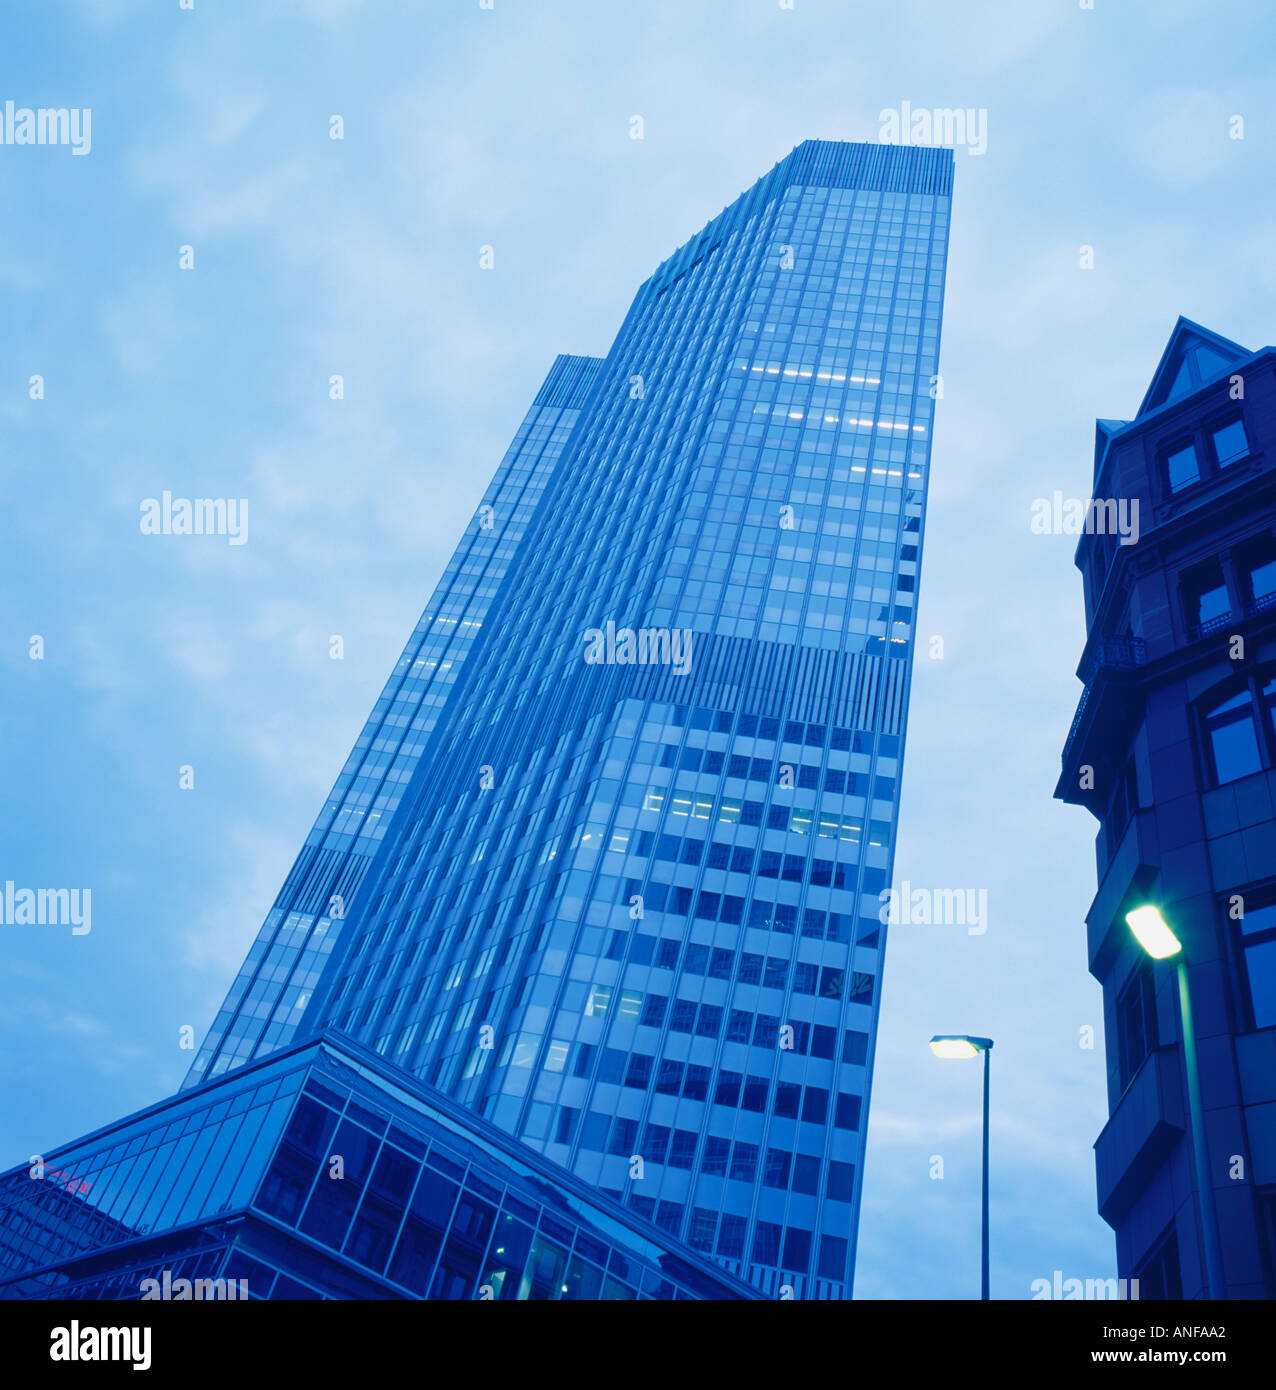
{"x":955,"y":1046}
{"x":1155,"y":937}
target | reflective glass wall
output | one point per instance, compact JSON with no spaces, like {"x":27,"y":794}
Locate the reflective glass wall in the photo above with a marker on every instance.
{"x":629,"y":907}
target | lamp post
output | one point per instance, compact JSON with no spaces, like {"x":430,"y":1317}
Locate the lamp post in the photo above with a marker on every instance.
{"x":1155,"y":937}
{"x":958,"y":1045}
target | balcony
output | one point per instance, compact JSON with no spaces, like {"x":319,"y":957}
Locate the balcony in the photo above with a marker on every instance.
{"x":1131,"y":872}
{"x":1112,"y":654}
{"x":1210,"y":628}
{"x":1141,"y":1132}
{"x":1254,"y":607}
{"x":1103,"y":666}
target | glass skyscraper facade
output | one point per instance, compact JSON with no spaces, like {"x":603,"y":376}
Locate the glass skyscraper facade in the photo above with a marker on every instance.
{"x":629,"y":912}
{"x":267,"y":1003}
{"x":603,"y":871}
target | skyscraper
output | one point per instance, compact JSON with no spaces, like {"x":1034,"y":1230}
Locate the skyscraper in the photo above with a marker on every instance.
{"x":1173,"y":750}
{"x":267,"y":1002}
{"x":630,"y":909}
{"x":604,"y":868}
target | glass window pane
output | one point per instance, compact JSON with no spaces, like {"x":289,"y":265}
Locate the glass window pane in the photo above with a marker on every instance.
{"x":1181,"y":468}
{"x":1212,"y":604}
{"x":1233,"y":738}
{"x":1262,"y":580}
{"x":1230,"y":443}
{"x":1260,"y":965}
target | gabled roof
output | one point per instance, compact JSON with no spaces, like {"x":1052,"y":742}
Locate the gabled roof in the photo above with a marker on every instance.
{"x":1192,"y":357}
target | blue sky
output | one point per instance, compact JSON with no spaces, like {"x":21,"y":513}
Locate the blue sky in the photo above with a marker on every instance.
{"x":510,"y":127}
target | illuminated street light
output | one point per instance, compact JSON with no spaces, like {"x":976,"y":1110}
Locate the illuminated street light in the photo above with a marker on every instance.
{"x":959,"y":1046}
{"x":1151,"y":932}
{"x":1154,"y":935}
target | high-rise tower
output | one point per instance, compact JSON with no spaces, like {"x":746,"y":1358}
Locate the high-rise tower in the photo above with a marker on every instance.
{"x":267,"y":1002}
{"x":625,"y":905}
{"x":630,"y":908}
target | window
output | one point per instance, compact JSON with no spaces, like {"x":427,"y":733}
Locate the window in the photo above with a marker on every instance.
{"x":833,"y":1252}
{"x":1267,"y":1225}
{"x":684,"y":1148}
{"x":1205,"y":597}
{"x":1256,"y":931}
{"x":638,"y":1074}
{"x":775,"y":1173}
{"x":739,"y":1026}
{"x":756,"y":1089}
{"x":624,"y":1136}
{"x":695,"y":1085}
{"x":727,"y":1091}
{"x":848,"y":1111}
{"x":1158,"y":1275}
{"x":744,"y":1161}
{"x":766,"y":1243}
{"x":669,"y":1079}
{"x":716,"y":1151}
{"x":653,"y":1010}
{"x":1232,"y":737}
{"x":709,"y":1021}
{"x":797,"y":1249}
{"x":1229,"y":443}
{"x":731,"y":1237}
{"x":1256,"y":562}
{"x":815,"y":1103}
{"x":1181,"y":468}
{"x":1239,"y":728}
{"x":704,"y":1224}
{"x":684,"y":1016}
{"x":806,"y":1174}
{"x":1136,"y":1022}
{"x":655,"y":1143}
{"x":1125,"y":801}
{"x":841,"y":1181}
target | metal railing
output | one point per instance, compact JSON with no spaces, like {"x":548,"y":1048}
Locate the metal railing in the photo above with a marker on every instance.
{"x":1114,"y":654}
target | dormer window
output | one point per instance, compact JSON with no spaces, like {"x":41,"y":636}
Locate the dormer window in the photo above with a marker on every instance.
{"x":1230,"y":443}
{"x":1182,"y":468}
